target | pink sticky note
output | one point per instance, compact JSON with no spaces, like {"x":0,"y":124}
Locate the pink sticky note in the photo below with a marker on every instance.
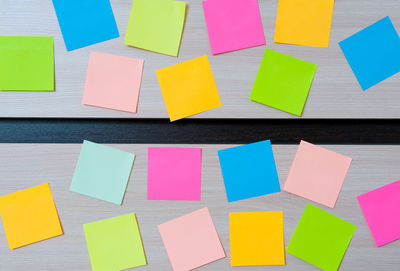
{"x":191,"y":240}
{"x":381,"y":209}
{"x":174,"y":174}
{"x":317,"y":174}
{"x":233,"y":24}
{"x":113,"y":82}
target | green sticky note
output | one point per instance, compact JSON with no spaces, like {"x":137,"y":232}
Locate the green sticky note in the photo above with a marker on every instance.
{"x":156,"y":25}
{"x":283,"y":82}
{"x":321,"y":238}
{"x":26,"y":63}
{"x":115,"y":243}
{"x":102,"y":172}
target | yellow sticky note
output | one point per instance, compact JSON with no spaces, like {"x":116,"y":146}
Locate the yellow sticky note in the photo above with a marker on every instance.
{"x":29,"y":216}
{"x":304,"y":22}
{"x":257,"y":238}
{"x":188,"y":88}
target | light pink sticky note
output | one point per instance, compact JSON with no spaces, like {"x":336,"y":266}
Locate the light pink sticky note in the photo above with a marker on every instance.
{"x":317,"y":174}
{"x":381,"y":209}
{"x":233,"y":24}
{"x":174,"y":173}
{"x":113,"y":82}
{"x":191,"y":240}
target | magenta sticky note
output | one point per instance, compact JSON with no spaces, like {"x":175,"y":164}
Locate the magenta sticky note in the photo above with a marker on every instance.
{"x":233,"y":24}
{"x":381,"y":209}
{"x":174,"y":173}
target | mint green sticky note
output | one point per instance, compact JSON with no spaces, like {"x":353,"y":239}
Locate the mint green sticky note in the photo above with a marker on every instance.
{"x":26,"y":63}
{"x":102,"y":172}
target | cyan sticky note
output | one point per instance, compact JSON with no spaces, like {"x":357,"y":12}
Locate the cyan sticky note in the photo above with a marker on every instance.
{"x":85,"y":22}
{"x":102,"y":172}
{"x":373,"y":53}
{"x":249,"y":171}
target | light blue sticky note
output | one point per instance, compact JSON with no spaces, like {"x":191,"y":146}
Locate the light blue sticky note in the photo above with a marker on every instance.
{"x":249,"y":171}
{"x":102,"y":172}
{"x":373,"y":53}
{"x":85,"y":22}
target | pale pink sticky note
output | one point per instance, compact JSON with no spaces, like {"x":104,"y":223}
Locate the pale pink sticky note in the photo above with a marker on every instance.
{"x":191,"y":240}
{"x":174,"y":173}
{"x":381,"y":209}
{"x":233,"y":24}
{"x":317,"y":174}
{"x":113,"y":82}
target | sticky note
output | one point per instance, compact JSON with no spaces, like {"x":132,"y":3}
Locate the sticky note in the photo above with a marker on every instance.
{"x":191,"y":240}
{"x":156,"y":26}
{"x":115,"y":243}
{"x":113,"y":82}
{"x":249,"y":171}
{"x":304,"y":22}
{"x":256,"y":238}
{"x":188,"y":88}
{"x":84,"y":23}
{"x":102,"y":172}
{"x":233,"y":25}
{"x":26,"y":63}
{"x":373,"y":53}
{"x":321,"y":238}
{"x":29,"y":216}
{"x":381,"y":209}
{"x":317,"y":174}
{"x":174,"y":174}
{"x":283,"y":82}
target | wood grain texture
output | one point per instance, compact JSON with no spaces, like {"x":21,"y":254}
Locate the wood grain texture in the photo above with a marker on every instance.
{"x":26,"y":165}
{"x":335,"y":92}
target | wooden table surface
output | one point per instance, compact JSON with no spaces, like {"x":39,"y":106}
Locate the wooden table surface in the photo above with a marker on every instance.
{"x":335,"y":92}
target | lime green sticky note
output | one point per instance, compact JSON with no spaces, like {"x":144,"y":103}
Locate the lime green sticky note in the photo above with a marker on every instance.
{"x":26,"y":63}
{"x":321,"y":238}
{"x":115,"y":243}
{"x":283,"y":82}
{"x":156,"y":25}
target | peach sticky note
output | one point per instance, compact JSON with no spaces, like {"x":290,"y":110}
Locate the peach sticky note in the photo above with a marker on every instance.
{"x":188,"y":88}
{"x":304,"y":22}
{"x":191,"y":240}
{"x":317,"y":174}
{"x":113,"y":82}
{"x":29,"y":216}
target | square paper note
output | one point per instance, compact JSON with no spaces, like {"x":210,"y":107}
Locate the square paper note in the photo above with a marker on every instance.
{"x":304,"y":22}
{"x":317,"y":174}
{"x":249,"y":171}
{"x":373,"y":53}
{"x":113,"y":82}
{"x":26,"y":63}
{"x":188,"y":88}
{"x":102,"y":172}
{"x":156,"y":26}
{"x":29,"y":216}
{"x":191,"y":240}
{"x":256,"y":238}
{"x":321,"y":239}
{"x":283,"y":82}
{"x":115,"y":243}
{"x":84,"y":23}
{"x":174,"y":174}
{"x":381,"y":209}
{"x":233,"y":25}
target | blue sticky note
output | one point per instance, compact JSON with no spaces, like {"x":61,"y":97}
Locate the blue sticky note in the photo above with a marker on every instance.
{"x":373,"y":53}
{"x":85,"y":22}
{"x":249,"y":171}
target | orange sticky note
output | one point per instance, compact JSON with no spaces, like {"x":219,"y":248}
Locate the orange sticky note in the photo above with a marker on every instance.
{"x":256,"y":238}
{"x":304,"y":22}
{"x":188,"y":88}
{"x":29,"y":216}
